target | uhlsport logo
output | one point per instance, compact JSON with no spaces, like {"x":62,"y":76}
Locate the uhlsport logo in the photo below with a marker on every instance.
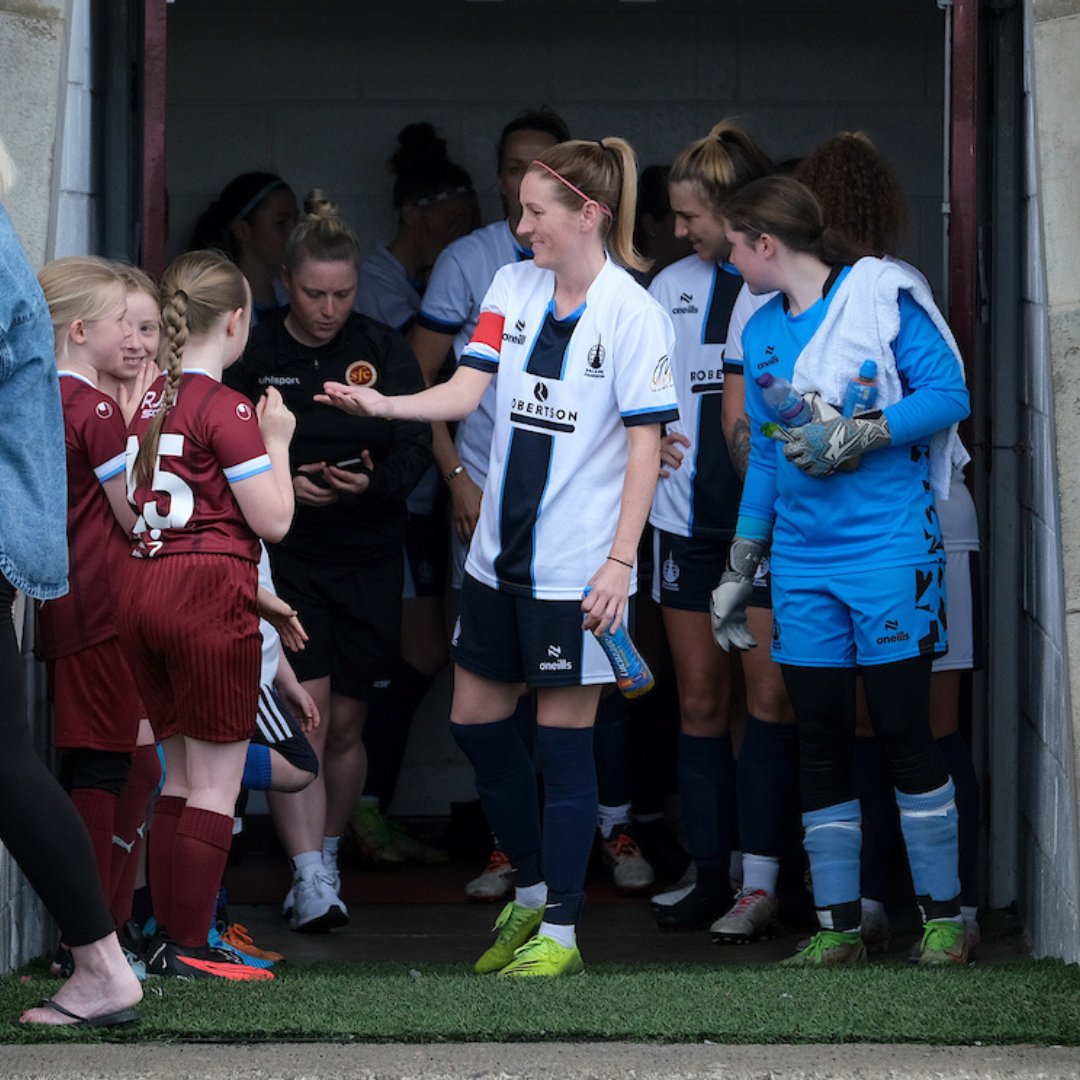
{"x":243,"y":410}
{"x":595,"y":361}
{"x":893,"y":634}
{"x":103,"y":410}
{"x":361,"y":373}
{"x":556,"y":661}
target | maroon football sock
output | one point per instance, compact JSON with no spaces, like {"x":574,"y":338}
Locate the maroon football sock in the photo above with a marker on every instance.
{"x":167,"y":811}
{"x":142,"y":779}
{"x":97,"y":808}
{"x":200,"y":851}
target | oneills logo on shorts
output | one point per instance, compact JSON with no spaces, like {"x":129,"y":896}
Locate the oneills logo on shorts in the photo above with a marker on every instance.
{"x":361,"y":373}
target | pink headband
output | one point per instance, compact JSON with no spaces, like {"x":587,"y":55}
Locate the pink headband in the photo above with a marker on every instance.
{"x":576,"y":190}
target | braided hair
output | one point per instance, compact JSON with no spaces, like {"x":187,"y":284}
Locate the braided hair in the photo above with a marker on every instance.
{"x":196,"y":290}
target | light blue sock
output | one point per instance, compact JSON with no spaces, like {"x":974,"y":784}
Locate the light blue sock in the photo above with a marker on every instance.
{"x":929,"y":823}
{"x":833,"y":842}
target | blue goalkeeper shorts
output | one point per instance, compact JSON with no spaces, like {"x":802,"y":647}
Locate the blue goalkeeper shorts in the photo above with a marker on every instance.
{"x":861,"y":618}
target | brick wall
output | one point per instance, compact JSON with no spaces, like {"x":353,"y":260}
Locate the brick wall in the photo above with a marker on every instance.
{"x":1049,"y":874}
{"x":319,"y":92}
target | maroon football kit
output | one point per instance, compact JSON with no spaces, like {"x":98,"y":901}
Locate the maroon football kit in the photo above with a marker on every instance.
{"x":188,"y":612}
{"x":95,"y":701}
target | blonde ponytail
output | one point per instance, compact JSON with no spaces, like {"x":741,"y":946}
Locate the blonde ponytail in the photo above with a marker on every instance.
{"x":321,"y":235}
{"x":605,"y":172}
{"x":720,"y":163}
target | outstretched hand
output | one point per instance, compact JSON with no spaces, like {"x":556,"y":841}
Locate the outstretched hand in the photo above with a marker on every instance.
{"x":358,"y":400}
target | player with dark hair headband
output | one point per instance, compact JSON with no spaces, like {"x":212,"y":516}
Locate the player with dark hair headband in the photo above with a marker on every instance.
{"x":340,"y":567}
{"x":584,"y":384}
{"x":860,"y":195}
{"x":251,"y":221}
{"x":844,"y":507}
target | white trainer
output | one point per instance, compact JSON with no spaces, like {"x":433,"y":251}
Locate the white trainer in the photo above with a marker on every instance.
{"x":317,"y":907}
{"x":630,"y":870}
{"x":752,"y":916}
{"x":683,"y":887}
{"x":496,"y":881}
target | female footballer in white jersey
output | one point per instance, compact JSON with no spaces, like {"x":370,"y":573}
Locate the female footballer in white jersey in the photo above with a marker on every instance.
{"x":583,"y":356}
{"x":693,"y":515}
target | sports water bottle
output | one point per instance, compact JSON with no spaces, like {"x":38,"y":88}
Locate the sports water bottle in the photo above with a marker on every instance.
{"x":632,"y":674}
{"x":789,"y":406}
{"x":861,"y":393}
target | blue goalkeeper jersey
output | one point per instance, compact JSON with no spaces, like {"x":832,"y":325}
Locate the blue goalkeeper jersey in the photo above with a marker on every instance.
{"x":883,"y":513}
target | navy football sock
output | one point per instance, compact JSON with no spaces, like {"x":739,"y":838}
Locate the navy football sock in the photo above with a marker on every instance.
{"x":506,"y":784}
{"x":767,"y":783}
{"x":707,"y":799}
{"x":570,"y":803}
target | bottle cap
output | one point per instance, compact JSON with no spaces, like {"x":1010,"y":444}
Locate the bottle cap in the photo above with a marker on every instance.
{"x":766,"y":378}
{"x":868,"y":369}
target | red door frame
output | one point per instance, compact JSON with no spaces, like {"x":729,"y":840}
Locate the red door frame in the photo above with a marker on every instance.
{"x":152,"y":91}
{"x":964,"y":181}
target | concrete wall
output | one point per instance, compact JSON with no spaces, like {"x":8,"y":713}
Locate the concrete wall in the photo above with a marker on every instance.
{"x":319,"y":91}
{"x":33,"y":48}
{"x":1050,"y":496}
{"x":79,"y":198}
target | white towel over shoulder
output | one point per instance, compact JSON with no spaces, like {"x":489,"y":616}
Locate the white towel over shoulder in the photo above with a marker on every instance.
{"x":861,"y":323}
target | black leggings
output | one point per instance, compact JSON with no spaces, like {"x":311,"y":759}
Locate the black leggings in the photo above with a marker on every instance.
{"x":38,"y":822}
{"x":898,"y":699}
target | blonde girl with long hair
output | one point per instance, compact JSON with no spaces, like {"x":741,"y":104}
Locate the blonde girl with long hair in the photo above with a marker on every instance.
{"x":583,"y":356}
{"x":208,"y":475}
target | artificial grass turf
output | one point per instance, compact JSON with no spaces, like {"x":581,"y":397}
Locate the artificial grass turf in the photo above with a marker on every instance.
{"x":1033,"y":1002}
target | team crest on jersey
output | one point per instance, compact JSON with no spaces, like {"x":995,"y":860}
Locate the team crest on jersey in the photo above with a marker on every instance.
{"x":662,"y":378}
{"x":244,"y":411}
{"x":103,"y":410}
{"x":595,"y":361}
{"x":361,"y":373}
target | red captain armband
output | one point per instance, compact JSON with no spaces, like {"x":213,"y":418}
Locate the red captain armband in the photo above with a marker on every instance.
{"x":489,"y":331}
